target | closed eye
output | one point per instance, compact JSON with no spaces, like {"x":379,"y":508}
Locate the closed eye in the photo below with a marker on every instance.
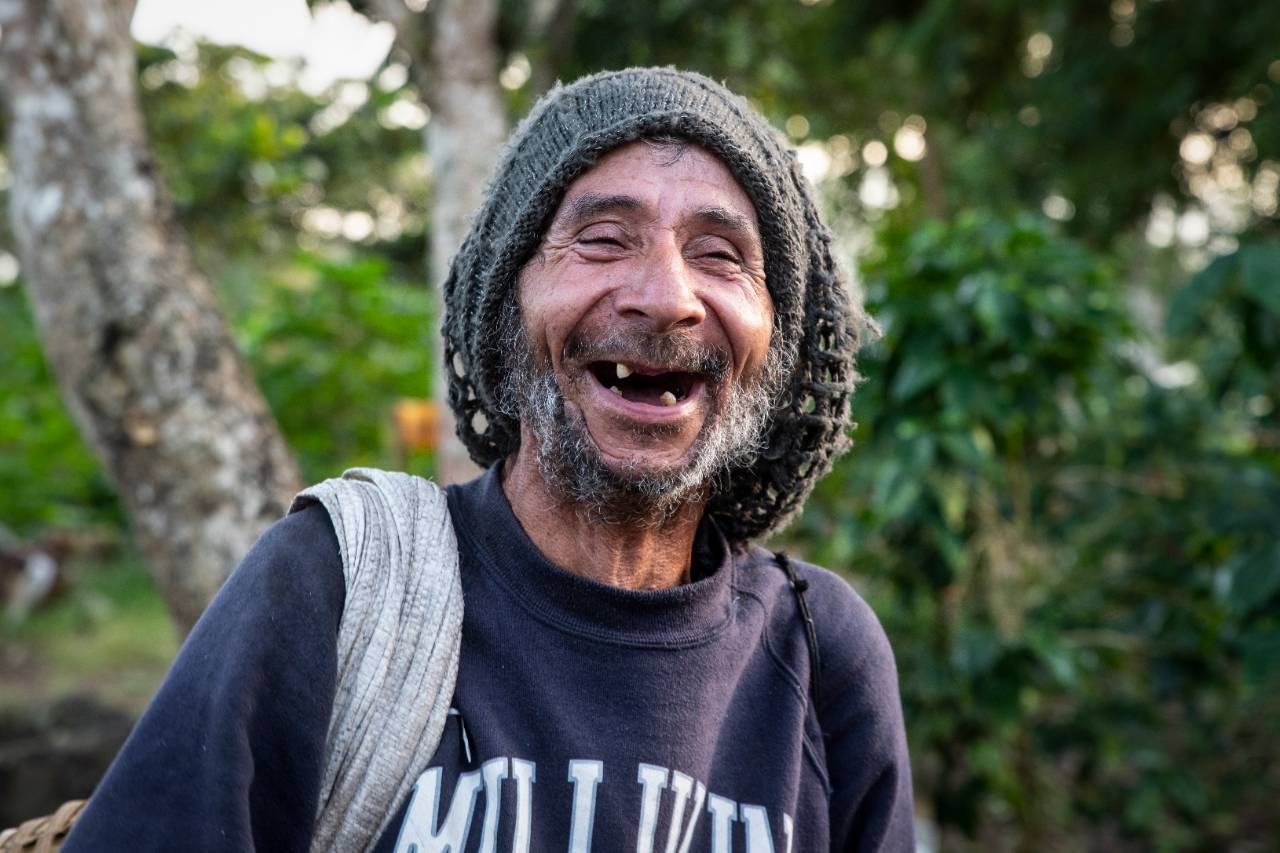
{"x":714,"y":248}
{"x":719,"y":258}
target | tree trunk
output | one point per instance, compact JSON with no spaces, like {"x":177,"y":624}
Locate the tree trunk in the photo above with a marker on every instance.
{"x":454,"y":52}
{"x":550,"y":39}
{"x":132,"y":330}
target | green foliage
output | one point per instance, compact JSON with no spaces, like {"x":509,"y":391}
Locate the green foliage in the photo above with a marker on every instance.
{"x":51,"y":478}
{"x":1227,"y":320}
{"x":334,"y":344}
{"x":243,"y":158}
{"x":1077,"y":565}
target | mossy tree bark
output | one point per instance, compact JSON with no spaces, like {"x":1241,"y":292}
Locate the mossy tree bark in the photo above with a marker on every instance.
{"x":131,"y":328}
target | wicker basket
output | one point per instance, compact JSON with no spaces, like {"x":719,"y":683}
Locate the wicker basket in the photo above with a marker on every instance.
{"x":42,"y":834}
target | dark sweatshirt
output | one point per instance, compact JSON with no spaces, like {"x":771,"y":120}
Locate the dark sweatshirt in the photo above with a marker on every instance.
{"x":586,"y":717}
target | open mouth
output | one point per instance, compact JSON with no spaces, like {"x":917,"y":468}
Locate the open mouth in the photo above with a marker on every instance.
{"x":653,"y":387}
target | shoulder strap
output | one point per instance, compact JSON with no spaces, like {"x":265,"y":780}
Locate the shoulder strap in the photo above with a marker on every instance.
{"x":800,"y":586}
{"x":398,"y":644}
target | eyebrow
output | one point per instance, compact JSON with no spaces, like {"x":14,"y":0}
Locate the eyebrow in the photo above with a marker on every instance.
{"x":590,"y":205}
{"x":727,"y":219}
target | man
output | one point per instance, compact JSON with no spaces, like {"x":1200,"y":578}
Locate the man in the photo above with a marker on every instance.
{"x":651,"y":347}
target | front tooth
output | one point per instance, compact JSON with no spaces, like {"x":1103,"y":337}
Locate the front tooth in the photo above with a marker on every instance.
{"x":667,"y":398}
{"x":615,"y":389}
{"x":623,"y":371}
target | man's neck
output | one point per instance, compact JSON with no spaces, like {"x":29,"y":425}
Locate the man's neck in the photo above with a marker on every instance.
{"x":630,"y":556}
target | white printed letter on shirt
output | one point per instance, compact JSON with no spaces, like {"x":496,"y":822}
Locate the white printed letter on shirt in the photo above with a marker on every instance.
{"x":423,"y":831}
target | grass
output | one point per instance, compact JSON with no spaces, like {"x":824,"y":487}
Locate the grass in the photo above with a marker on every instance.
{"x":108,"y":634}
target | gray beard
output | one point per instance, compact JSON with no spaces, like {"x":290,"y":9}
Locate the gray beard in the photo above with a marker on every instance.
{"x":613,"y":492}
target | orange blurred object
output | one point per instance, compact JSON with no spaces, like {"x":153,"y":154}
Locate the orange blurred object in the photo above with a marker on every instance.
{"x":417,"y":424}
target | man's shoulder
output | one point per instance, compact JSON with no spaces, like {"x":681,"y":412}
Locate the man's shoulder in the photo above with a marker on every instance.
{"x":845,"y":620}
{"x":858,"y":705}
{"x":303,"y":539}
{"x":853,"y":645}
{"x":295,"y":566}
{"x":830,"y":595}
{"x":306,"y":530}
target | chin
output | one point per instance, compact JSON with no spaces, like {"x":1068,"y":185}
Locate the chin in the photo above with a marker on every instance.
{"x":644,"y":468}
{"x":644,"y":451}
{"x":638,"y":486}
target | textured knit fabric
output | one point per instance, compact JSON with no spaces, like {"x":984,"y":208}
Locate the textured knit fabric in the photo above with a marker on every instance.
{"x":397,"y":646}
{"x":814,"y":320}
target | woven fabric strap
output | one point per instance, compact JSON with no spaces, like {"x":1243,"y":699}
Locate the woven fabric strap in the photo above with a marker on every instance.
{"x":397,"y":647}
{"x":43,"y":834}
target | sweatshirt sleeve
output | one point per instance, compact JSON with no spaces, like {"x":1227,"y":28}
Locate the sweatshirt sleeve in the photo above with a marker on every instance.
{"x":229,"y":754}
{"x":860,"y":710}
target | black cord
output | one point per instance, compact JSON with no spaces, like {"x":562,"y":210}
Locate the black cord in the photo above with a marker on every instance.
{"x":800,"y":586}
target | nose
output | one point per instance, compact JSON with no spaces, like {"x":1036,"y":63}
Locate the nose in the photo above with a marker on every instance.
{"x":662,"y":291}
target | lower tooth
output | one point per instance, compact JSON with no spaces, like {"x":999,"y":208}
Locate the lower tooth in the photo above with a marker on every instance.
{"x":667,"y":398}
{"x":616,"y":390}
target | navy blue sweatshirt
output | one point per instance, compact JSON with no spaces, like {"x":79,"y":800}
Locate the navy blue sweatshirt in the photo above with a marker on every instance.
{"x":586,"y":717}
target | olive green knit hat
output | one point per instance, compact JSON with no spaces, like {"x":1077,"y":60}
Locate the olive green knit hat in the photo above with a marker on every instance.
{"x":815,"y":322}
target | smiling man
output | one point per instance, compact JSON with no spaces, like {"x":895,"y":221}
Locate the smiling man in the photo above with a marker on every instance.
{"x":642,"y":364}
{"x":651,"y":348}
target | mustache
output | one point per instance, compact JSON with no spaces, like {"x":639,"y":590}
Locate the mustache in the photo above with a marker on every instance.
{"x":675,"y":351}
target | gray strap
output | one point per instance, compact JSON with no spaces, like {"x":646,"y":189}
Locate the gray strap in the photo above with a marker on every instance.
{"x":397,"y":647}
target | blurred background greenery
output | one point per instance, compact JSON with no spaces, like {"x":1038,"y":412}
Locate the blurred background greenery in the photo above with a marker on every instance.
{"x":1064,"y":498}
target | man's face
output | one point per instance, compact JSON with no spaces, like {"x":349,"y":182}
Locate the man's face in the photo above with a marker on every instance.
{"x":646,"y":306}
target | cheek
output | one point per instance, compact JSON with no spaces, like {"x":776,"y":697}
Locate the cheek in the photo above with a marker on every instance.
{"x":540,"y":325}
{"x":552,"y":306}
{"x":748,"y":322}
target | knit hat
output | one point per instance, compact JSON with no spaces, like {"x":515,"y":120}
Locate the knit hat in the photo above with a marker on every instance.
{"x":815,"y":322}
